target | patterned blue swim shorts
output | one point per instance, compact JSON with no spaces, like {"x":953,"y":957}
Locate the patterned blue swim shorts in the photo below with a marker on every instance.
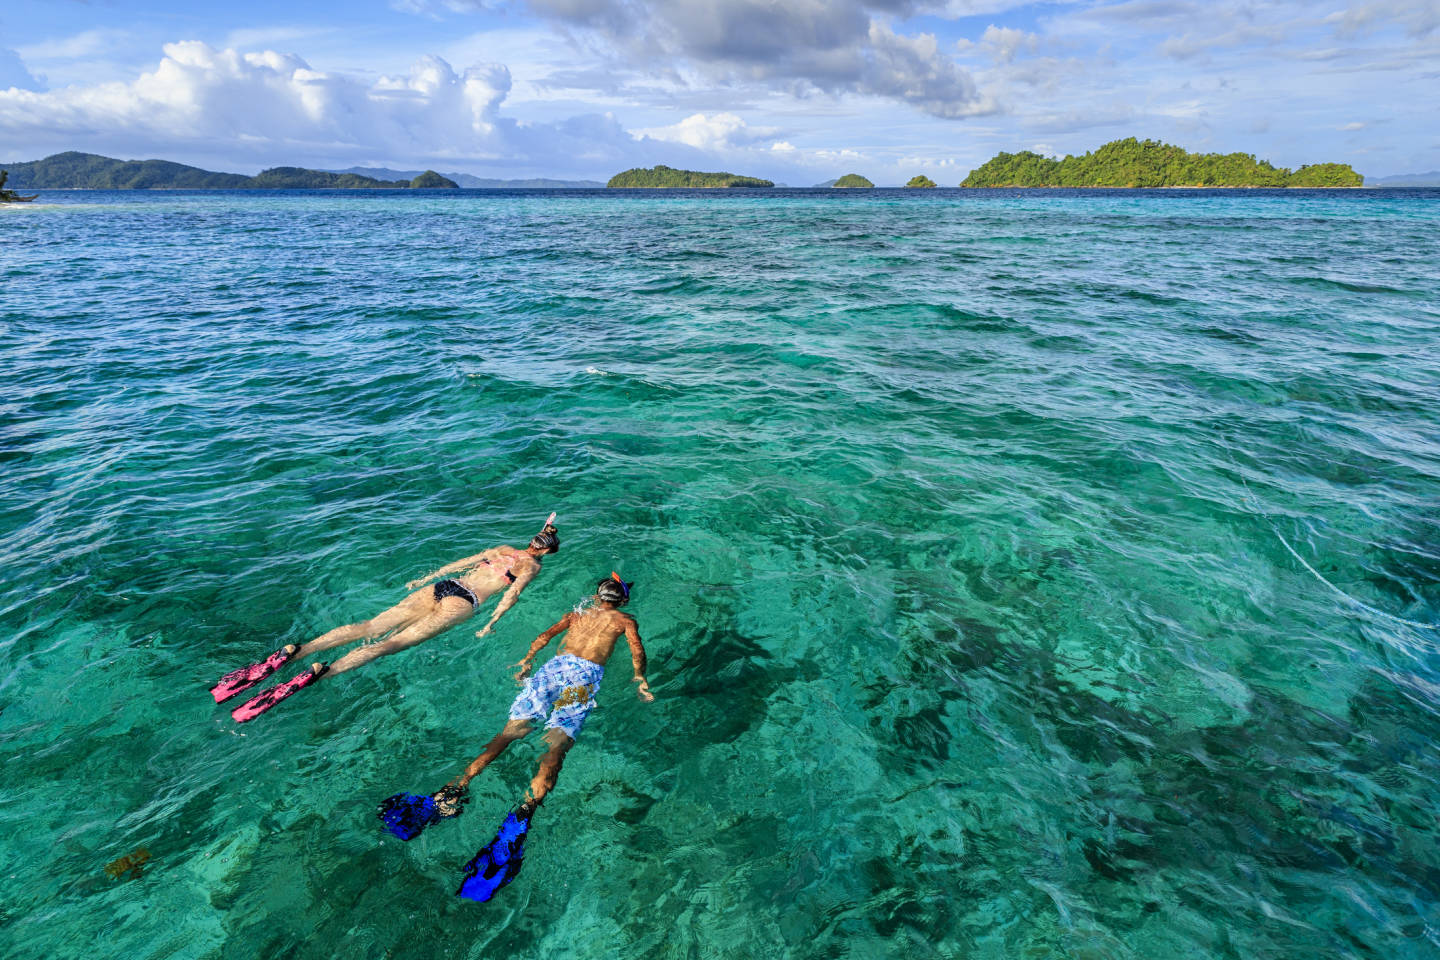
{"x":565,"y":689}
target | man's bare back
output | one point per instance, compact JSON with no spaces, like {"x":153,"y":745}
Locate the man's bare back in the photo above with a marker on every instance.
{"x":592,"y":636}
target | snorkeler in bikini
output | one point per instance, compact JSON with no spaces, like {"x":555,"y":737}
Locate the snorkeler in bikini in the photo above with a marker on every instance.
{"x":560,"y":696}
{"x":423,"y":614}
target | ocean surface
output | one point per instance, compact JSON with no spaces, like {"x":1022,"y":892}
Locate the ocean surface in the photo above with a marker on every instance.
{"x":1023,"y":574}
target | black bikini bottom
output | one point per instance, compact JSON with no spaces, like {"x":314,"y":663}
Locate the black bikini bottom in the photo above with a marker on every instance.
{"x":449,"y":588}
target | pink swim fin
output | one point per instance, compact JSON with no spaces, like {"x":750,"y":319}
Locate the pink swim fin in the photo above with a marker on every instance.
{"x":237,"y":681}
{"x":255,"y":706}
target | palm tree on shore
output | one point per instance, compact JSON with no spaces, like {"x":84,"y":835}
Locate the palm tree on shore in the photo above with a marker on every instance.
{"x":10,"y":196}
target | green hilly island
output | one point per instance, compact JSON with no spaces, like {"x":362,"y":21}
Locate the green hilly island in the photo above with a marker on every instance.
{"x":1150,"y":163}
{"x":668,"y":177}
{"x":853,"y":181}
{"x":430,"y":180}
{"x":89,"y":171}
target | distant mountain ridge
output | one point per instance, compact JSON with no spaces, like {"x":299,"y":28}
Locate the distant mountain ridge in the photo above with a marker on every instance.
{"x":90,"y":171}
{"x":472,"y":182}
{"x":1431,"y":179}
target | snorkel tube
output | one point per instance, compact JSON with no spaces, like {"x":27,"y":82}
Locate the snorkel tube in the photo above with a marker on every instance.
{"x":548,"y":539}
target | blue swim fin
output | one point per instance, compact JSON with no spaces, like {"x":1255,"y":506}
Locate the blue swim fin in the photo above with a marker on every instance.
{"x":406,"y":814}
{"x":500,"y":861}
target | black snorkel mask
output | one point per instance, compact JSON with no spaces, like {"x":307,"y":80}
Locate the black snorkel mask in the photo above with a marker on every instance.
{"x":548,"y":539}
{"x":614,"y":590}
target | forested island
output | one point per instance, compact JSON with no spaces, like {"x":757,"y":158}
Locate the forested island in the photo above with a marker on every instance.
{"x":920,"y":181}
{"x":668,"y":177}
{"x":89,"y":171}
{"x":299,"y":178}
{"x":853,"y":181}
{"x":1150,"y":163}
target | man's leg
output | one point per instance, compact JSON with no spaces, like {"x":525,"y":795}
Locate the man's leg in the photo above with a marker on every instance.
{"x":512,"y":731}
{"x":544,"y":781}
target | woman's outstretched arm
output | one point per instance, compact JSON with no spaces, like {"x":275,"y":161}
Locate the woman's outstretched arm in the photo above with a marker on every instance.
{"x":522,"y":580}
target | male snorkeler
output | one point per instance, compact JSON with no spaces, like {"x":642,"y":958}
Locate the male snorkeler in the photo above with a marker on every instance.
{"x":561,"y":695}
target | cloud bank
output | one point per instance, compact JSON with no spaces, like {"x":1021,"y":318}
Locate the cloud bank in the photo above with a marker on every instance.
{"x":198,"y":92}
{"x":802,"y":46}
{"x":220,"y":107}
{"x":266,"y":104}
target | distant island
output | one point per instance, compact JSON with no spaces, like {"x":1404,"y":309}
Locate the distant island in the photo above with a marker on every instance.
{"x":430,"y":180}
{"x":1150,"y":163}
{"x":299,"y":178}
{"x":920,"y":180}
{"x":669,"y":178}
{"x":89,"y":171}
{"x":853,"y":181}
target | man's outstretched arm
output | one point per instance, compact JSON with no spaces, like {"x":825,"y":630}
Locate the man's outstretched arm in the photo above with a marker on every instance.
{"x":560,"y":627}
{"x":637,"y":658}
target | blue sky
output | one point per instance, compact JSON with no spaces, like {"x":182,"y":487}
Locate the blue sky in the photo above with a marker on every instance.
{"x":796,"y":90}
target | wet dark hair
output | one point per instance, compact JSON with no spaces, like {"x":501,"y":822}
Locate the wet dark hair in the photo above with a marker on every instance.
{"x":547,"y":539}
{"x":613,"y":590}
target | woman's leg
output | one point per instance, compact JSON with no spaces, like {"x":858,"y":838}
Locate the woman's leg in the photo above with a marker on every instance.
{"x":441,"y":617}
{"x":412,"y":608}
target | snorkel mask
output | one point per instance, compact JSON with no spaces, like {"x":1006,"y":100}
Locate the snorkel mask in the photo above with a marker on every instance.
{"x":614,"y":590}
{"x":548,"y":539}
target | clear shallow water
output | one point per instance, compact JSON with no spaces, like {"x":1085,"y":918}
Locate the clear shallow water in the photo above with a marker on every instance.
{"x":954,"y":524}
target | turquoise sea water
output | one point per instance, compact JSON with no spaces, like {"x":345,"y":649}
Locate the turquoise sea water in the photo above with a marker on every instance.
{"x":956,"y":521}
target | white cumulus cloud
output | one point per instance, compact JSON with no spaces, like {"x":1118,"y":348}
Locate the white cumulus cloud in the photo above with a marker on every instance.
{"x":197,"y":91}
{"x":1002,"y":43}
{"x":720,"y":131}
